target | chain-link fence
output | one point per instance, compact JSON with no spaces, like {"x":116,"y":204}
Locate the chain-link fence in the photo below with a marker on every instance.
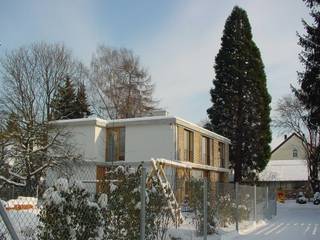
{"x":123,"y":202}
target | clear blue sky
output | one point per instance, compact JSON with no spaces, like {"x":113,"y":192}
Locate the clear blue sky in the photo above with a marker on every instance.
{"x":176,"y":40}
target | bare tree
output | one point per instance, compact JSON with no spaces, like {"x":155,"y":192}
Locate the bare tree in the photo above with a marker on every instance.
{"x":29,"y":78}
{"x":34,"y":73}
{"x":4,"y":143}
{"x":293,"y":117}
{"x":120,"y":87}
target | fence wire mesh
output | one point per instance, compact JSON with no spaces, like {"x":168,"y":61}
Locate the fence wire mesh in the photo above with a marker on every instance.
{"x":4,"y":233}
{"x":104,"y":202}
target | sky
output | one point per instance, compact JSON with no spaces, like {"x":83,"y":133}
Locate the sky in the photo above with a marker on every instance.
{"x":176,"y":40}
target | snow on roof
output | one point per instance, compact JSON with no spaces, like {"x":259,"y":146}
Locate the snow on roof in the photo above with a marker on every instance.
{"x":285,"y":170}
{"x":81,"y":121}
{"x":139,"y":121}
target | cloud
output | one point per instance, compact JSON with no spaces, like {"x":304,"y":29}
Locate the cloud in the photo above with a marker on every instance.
{"x":181,"y":56}
{"x":180,"y":49}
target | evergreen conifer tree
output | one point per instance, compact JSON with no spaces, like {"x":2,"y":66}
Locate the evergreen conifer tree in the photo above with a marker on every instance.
{"x":309,"y":93}
{"x":64,"y":104}
{"x":82,"y":102}
{"x":240,"y":109}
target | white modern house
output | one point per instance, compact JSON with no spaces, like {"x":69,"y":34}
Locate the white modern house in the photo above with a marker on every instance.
{"x":183,"y":149}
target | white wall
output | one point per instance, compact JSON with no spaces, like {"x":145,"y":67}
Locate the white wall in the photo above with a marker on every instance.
{"x":100,"y":144}
{"x":144,"y":142}
{"x":88,"y":140}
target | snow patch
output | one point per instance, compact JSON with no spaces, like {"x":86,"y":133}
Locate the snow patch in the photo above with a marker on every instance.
{"x":103,"y":200}
{"x":62,"y":184}
{"x":113,"y":187}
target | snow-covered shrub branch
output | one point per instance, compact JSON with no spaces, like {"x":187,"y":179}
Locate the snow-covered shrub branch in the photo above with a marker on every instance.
{"x":227,"y":208}
{"x":122,"y":213}
{"x":196,"y":187}
{"x":69,"y":212}
{"x":33,"y":149}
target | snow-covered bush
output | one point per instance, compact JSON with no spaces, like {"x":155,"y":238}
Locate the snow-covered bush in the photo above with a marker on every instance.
{"x":158,"y":215}
{"x":28,"y":233}
{"x":69,"y":212}
{"x":227,"y":209}
{"x":196,"y":204}
{"x":121,"y":206}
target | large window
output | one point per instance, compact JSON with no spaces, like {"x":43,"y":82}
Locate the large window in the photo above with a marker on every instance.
{"x":222,"y":153}
{"x":188,"y":146}
{"x":205,"y":150}
{"x":116,"y":144}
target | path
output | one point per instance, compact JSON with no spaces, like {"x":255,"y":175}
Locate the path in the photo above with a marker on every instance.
{"x":294,"y":222}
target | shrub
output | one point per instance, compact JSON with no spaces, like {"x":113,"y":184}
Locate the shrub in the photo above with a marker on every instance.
{"x":69,"y":212}
{"x":228,"y":209}
{"x":197,"y":205}
{"x":121,"y":211}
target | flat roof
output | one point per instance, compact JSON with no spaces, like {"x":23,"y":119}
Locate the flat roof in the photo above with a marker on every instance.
{"x":140,"y":121}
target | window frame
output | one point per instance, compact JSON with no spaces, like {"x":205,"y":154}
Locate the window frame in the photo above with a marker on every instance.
{"x":295,"y":153}
{"x":115,"y":144}
{"x":222,"y":154}
{"x":188,"y":145}
{"x":205,"y":150}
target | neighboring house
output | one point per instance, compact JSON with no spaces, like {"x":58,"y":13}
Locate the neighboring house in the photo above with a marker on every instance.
{"x":287,"y":168}
{"x":185,"y":149}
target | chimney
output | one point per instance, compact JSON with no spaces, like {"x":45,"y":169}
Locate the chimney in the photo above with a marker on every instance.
{"x":155,"y":113}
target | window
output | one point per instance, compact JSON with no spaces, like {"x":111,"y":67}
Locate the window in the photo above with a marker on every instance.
{"x":205,"y":150}
{"x":115,"y":144}
{"x":222,"y":154}
{"x":188,"y":146}
{"x":295,"y":153}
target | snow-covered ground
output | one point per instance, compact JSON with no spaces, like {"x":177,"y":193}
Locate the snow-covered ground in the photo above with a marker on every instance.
{"x":293,"y":222}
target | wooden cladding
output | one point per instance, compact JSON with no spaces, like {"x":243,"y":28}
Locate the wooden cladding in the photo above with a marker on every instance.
{"x":101,"y":185}
{"x":195,"y":147}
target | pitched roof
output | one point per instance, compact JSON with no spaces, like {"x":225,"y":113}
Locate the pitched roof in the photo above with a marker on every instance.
{"x":284,"y":141}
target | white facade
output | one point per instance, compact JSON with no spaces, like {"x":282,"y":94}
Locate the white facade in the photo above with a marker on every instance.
{"x":145,"y":138}
{"x":87,"y":136}
{"x":143,"y":142}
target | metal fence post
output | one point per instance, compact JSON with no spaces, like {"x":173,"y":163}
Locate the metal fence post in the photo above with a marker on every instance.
{"x":255,"y":203}
{"x":267,"y":202}
{"x":275,"y":201}
{"x":7,"y":222}
{"x":143,"y":204}
{"x":205,"y":208}
{"x":267,"y":196}
{"x":237,"y":205}
{"x":217,"y":205}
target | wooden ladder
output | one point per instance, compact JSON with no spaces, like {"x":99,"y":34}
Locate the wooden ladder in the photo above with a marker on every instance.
{"x":167,"y":190}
